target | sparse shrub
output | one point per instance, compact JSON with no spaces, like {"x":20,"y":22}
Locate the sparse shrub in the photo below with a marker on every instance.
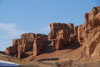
{"x":64,"y":64}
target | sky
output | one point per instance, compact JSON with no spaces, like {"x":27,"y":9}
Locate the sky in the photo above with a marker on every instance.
{"x":24,"y":16}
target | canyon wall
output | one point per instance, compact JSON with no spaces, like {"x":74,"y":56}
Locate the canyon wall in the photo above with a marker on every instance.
{"x":61,"y":35}
{"x":26,"y":43}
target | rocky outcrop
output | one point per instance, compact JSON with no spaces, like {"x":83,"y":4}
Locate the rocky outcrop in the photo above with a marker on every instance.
{"x":92,"y":33}
{"x":24,"y":44}
{"x":61,"y":40}
{"x":13,"y":49}
{"x":38,"y":46}
{"x":74,"y":37}
{"x":55,"y":27}
{"x":86,"y":35}
{"x":81,"y":34}
{"x":20,"y":54}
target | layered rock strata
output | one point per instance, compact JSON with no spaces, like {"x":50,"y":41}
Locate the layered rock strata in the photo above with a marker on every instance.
{"x":61,"y":40}
{"x":24,"y":44}
{"x":55,"y":27}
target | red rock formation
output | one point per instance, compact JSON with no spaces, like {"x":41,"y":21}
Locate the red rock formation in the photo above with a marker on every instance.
{"x":81,"y":34}
{"x":53,"y":43}
{"x":55,"y":27}
{"x":74,"y":37}
{"x":24,"y":44}
{"x":13,"y":49}
{"x":88,"y":35}
{"x":92,"y":33}
{"x":61,"y":40}
{"x":38,"y":46}
{"x":20,"y":54}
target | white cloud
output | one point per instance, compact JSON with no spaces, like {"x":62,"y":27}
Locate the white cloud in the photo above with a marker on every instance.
{"x":8,"y":32}
{"x":10,"y":29}
{"x":46,"y":28}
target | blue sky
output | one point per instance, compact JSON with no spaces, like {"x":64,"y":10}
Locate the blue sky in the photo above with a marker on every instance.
{"x":24,"y":16}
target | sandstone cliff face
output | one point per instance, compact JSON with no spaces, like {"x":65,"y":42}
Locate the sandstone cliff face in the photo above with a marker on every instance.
{"x":81,"y":34}
{"x":13,"y":49}
{"x":24,"y":44}
{"x":74,"y":37}
{"x":92,"y":32}
{"x":55,"y":27}
{"x":61,"y":40}
{"x":38,"y":46}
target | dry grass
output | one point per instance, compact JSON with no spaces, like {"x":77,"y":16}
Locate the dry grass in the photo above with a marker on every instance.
{"x":34,"y":64}
{"x":63,"y":64}
{"x":12,"y":59}
{"x":25,"y":63}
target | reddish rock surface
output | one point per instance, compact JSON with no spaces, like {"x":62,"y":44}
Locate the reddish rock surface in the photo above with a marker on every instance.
{"x":38,"y":46}
{"x":81,"y":34}
{"x":55,"y":27}
{"x":74,"y":37}
{"x":20,"y":54}
{"x":89,"y":38}
{"x":13,"y":49}
{"x":24,"y":44}
{"x":61,"y":40}
{"x":92,"y":33}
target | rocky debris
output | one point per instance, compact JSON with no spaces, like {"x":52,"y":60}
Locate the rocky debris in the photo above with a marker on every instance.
{"x":55,"y":27}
